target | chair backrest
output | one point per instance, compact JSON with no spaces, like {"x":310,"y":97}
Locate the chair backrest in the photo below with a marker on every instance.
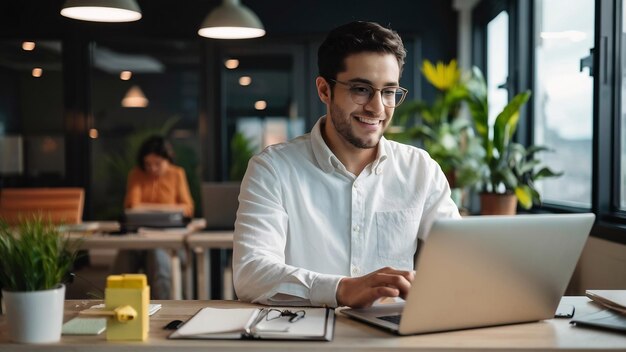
{"x":59,"y":205}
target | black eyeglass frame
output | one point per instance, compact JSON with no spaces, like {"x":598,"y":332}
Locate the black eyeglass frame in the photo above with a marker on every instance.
{"x":351,"y":85}
{"x":294,"y":316}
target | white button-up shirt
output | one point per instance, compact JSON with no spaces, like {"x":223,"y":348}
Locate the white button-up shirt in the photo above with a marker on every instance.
{"x":304,"y":221}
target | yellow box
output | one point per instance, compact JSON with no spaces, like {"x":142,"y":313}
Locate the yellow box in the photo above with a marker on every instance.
{"x":132,"y":290}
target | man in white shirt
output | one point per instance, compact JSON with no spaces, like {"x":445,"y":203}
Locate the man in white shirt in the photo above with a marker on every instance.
{"x":333,"y":217}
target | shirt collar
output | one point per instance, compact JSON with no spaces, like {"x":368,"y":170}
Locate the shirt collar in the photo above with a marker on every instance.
{"x":379,"y":163}
{"x":324,"y":156}
{"x":328,"y":161}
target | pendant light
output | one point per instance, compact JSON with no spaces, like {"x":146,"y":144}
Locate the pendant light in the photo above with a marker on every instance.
{"x":231,"y":20}
{"x":102,"y":10}
{"x":135,"y":98}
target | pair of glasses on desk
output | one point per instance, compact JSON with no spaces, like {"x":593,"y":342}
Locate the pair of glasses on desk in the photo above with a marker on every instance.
{"x":294,"y":316}
{"x":272,"y":314}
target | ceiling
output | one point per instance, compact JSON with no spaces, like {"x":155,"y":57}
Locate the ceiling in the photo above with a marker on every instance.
{"x":181,"y":18}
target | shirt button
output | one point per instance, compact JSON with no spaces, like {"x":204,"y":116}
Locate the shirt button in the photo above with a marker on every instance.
{"x":355,"y":185}
{"x":356,"y":228}
{"x":355,"y":270}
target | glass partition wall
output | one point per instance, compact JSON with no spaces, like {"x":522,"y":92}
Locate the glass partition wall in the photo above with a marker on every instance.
{"x":140,"y":89}
{"x":262,"y":101}
{"x":32,"y":142}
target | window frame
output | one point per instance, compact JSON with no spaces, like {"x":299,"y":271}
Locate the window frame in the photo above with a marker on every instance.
{"x":606,"y":137}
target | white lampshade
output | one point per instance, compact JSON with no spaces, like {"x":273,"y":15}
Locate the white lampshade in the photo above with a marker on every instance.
{"x":102,"y":10}
{"x":231,"y":20}
{"x":135,"y":98}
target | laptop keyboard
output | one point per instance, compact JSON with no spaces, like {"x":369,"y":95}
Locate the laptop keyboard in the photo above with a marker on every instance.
{"x":391,"y":318}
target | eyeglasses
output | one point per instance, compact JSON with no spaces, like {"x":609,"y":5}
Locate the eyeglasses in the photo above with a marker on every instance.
{"x":273,"y":314}
{"x":362,"y":93}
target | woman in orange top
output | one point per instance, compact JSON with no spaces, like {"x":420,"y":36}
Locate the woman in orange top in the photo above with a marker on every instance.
{"x":155,"y":183}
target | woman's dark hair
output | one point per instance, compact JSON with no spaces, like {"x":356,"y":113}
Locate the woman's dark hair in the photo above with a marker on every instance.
{"x":353,"y":38}
{"x":155,"y":145}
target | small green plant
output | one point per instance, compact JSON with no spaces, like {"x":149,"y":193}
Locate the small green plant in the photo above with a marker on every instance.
{"x":34,"y":256}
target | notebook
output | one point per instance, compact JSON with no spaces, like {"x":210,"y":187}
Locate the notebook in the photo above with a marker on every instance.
{"x":611,"y":299}
{"x":487,"y":270}
{"x":273,"y":323}
{"x":95,"y":326}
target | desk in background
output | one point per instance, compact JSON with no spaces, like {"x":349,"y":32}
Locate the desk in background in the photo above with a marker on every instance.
{"x":169,"y":241}
{"x":172,"y":240}
{"x":350,"y":335}
{"x":200,"y":244}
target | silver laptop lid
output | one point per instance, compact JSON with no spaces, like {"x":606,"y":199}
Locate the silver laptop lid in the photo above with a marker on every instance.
{"x":491,"y":270}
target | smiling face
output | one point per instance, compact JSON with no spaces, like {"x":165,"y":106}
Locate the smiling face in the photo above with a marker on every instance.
{"x":350,"y":125}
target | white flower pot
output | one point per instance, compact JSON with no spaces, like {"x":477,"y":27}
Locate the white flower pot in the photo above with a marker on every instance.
{"x":35,"y":316}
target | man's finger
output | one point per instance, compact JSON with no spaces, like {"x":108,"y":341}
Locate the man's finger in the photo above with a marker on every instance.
{"x":398,"y":281}
{"x":409,"y":275}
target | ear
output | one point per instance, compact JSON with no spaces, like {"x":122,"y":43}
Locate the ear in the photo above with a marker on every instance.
{"x":323,"y":90}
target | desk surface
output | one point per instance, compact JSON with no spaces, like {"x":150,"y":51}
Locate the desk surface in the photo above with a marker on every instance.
{"x":210,"y":239}
{"x":350,"y":335}
{"x":164,"y":240}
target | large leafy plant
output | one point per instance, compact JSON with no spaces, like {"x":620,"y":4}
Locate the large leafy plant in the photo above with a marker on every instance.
{"x":507,"y":166}
{"x":448,"y":139}
{"x":34,"y":256}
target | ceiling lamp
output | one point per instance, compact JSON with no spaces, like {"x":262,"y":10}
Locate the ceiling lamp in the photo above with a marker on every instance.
{"x":102,"y":10}
{"x":231,"y":20}
{"x":135,"y":98}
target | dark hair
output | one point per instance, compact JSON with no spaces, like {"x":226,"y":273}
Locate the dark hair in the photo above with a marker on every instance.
{"x":353,"y":38}
{"x":155,"y":145}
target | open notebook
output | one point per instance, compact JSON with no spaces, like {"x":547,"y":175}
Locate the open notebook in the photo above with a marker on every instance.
{"x":274,"y":323}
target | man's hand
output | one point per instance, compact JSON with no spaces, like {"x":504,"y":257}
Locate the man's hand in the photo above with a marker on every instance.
{"x":359,"y":292}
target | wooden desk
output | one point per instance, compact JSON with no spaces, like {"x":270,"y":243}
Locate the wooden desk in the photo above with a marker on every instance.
{"x":169,"y":241}
{"x":350,"y":335}
{"x":199,"y":243}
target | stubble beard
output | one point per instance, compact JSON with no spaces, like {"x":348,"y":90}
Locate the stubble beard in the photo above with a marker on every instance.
{"x":342,"y":123}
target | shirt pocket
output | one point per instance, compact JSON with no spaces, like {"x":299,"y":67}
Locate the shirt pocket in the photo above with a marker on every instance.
{"x":397,"y":235}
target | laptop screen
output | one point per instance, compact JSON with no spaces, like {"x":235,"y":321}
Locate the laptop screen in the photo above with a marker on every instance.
{"x":219,"y":204}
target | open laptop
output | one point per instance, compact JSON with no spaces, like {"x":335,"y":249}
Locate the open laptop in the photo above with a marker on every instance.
{"x":133,"y":219}
{"x":487,"y":270}
{"x":219,"y":204}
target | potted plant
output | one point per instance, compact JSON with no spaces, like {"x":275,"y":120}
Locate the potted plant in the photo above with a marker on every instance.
{"x":509,"y":170}
{"x":448,"y":138}
{"x":34,"y":260}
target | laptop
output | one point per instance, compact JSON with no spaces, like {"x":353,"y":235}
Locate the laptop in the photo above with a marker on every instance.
{"x":219,"y":204}
{"x":485,"y":271}
{"x":133,"y":219}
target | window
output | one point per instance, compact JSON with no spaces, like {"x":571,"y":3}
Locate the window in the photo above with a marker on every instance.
{"x":563,"y":97}
{"x":497,"y":64}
